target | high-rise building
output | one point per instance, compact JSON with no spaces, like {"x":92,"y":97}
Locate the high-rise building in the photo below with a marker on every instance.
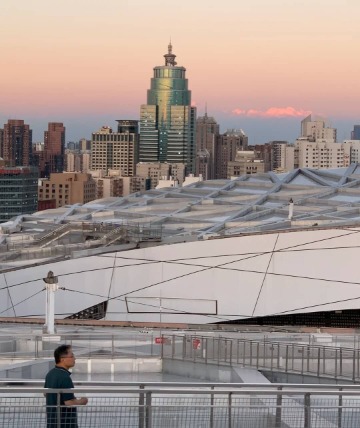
{"x":321,"y":154}
{"x":17,"y":143}
{"x":355,"y":134}
{"x":77,"y":161}
{"x":54,"y":148}
{"x":167,"y":121}
{"x":317,"y":129}
{"x":84,"y":144}
{"x":282,"y":156}
{"x":18,"y":191}
{"x":207,"y":132}
{"x":227,"y":145}
{"x":116,"y":150}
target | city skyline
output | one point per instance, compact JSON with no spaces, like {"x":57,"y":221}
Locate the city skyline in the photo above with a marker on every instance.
{"x":261,"y":67}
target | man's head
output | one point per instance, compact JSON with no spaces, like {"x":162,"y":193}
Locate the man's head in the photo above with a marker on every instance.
{"x":64,"y":356}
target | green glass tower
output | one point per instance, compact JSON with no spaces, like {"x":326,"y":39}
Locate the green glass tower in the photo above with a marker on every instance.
{"x":167,"y":121}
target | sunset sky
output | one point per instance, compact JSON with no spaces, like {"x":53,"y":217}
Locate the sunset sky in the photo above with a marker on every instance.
{"x":260,"y":65}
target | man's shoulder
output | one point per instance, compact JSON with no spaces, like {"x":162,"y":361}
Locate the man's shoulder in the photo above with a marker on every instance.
{"x":57,"y":372}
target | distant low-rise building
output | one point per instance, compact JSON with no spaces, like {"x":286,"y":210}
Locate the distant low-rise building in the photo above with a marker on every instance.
{"x":155,"y":171}
{"x":245,"y":163}
{"x":68,"y":188}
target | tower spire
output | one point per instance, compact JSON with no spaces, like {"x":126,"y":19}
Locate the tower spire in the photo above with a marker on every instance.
{"x":170,"y":57}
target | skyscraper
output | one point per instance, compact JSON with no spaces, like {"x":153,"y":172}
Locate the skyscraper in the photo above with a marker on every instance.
{"x":167,"y":121}
{"x":116,"y":150}
{"x":317,"y":129}
{"x":355,"y":134}
{"x":17,"y":143}
{"x":207,"y":132}
{"x":54,"y":148}
{"x":228,"y":144}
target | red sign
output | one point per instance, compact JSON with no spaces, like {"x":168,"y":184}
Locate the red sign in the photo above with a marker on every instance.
{"x":162,"y":340}
{"x":196,"y":343}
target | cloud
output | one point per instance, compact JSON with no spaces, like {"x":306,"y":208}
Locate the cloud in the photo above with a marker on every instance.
{"x":272,"y":112}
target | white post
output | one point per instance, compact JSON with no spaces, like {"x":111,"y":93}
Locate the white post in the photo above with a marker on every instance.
{"x":51,"y":287}
{"x":291,"y":209}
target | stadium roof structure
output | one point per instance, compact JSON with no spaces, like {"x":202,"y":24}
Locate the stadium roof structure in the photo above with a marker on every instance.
{"x":205,"y":209}
{"x":235,"y":255}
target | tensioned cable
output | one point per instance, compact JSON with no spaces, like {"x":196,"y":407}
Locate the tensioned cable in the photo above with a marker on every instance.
{"x":313,"y":306}
{"x":207,"y":268}
{"x":154,"y":306}
{"x":264,"y":277}
{"x":22,"y":301}
{"x":9,"y":294}
{"x":149,"y":261}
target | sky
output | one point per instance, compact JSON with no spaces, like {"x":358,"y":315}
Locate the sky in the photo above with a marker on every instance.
{"x":259,"y":65}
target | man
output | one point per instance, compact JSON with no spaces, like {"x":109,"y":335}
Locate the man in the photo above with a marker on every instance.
{"x":59,"y":378}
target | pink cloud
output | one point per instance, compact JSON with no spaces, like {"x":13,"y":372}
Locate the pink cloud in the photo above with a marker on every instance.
{"x":272,"y":112}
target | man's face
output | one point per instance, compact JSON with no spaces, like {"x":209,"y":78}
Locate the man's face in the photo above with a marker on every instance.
{"x":68,"y":360}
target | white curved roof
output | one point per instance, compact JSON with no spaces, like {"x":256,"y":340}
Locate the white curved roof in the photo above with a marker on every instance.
{"x":247,"y":204}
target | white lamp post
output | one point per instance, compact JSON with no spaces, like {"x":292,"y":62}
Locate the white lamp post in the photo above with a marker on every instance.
{"x":51,"y":286}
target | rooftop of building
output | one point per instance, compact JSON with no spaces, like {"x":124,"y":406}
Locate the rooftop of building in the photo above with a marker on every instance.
{"x":202,"y":210}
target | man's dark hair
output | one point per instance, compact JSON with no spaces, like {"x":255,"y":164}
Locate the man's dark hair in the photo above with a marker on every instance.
{"x":60,"y":352}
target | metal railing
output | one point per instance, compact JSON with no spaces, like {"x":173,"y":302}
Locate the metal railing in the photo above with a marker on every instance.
{"x":293,"y":358}
{"x":157,"y":405}
{"x":85,"y":345}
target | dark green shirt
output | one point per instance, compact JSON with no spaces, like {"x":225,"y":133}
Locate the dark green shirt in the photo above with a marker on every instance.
{"x":59,"y":377}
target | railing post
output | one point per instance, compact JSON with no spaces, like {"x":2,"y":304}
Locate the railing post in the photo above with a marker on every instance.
{"x":353,"y":367}
{"x":206,"y":350}
{"x":307,"y":359}
{"x":278,"y":356}
{"x":184,"y":348}
{"x":318,"y":363}
{"x":336,"y":363}
{"x":218,"y":353}
{"x":302,"y":360}
{"x":271,"y":357}
{"x":212,"y":407}
{"x":278,"y":408}
{"x":340,"y":409}
{"x":244,"y":352}
{"x":264,"y":353}
{"x":250,"y":353}
{"x":307,"y":411}
{"x":148,"y":423}
{"x":231,"y":342}
{"x":141,"y":407}
{"x":286,"y":358}
{"x":340,"y":362}
{"x":58,"y":410}
{"x":230,"y":409}
{"x":237,"y":351}
{"x":257,"y":354}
